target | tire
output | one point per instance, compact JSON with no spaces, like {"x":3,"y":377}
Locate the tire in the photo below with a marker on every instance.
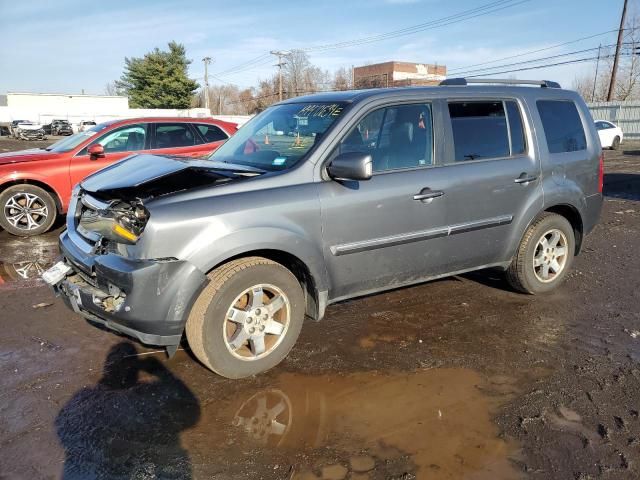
{"x":522,"y":275}
{"x":211,"y":333}
{"x":615,"y":145}
{"x":42,"y":206}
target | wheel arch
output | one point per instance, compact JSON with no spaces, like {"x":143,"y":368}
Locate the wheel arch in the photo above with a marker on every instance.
{"x":573,"y":216}
{"x":312,"y":285}
{"x":35,"y":183}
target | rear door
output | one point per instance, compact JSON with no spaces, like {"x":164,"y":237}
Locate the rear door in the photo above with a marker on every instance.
{"x":493,"y":179}
{"x":118,"y":143}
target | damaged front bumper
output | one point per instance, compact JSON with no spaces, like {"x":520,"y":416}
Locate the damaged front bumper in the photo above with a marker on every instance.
{"x":148,"y":300}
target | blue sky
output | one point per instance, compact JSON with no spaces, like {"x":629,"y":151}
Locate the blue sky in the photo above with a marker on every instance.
{"x":67,"y":45}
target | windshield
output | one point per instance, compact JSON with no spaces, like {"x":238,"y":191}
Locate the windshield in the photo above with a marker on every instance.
{"x":280,"y":136}
{"x":69,"y":143}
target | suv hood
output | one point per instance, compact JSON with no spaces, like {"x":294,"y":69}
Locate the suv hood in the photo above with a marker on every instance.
{"x":147,"y":175}
{"x":27,"y":156}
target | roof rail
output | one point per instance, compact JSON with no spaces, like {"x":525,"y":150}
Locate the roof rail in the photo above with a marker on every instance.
{"x":502,"y":81}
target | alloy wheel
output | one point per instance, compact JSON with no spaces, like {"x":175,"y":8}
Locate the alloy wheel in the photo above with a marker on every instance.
{"x":26,"y":211}
{"x":256,"y":322}
{"x":550,"y":256}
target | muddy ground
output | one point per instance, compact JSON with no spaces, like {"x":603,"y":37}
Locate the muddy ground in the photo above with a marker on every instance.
{"x":459,"y":378}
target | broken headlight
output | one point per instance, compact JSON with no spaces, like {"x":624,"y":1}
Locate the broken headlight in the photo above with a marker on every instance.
{"x":122,"y":222}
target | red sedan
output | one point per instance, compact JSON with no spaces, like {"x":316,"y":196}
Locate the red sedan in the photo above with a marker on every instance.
{"x":36,"y":184}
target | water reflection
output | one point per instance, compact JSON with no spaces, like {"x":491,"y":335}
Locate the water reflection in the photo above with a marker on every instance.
{"x":437,"y":422}
{"x":23,"y":260}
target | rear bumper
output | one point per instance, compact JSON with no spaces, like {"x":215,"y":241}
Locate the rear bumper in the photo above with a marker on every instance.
{"x":148,"y":300}
{"x":592,"y":212}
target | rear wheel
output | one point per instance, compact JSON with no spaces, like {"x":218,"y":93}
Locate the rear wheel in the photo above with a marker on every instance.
{"x":26,"y":210}
{"x":247,"y":319}
{"x":544,"y":256}
{"x":615,"y":145}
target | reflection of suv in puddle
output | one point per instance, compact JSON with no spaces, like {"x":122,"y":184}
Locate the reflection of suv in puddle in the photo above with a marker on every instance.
{"x":384,"y":188}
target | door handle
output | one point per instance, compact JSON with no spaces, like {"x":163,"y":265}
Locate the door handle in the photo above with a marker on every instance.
{"x":429,"y":195}
{"x":525,"y":179}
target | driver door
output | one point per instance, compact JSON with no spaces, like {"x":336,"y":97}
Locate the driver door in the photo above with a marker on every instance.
{"x":118,"y":144}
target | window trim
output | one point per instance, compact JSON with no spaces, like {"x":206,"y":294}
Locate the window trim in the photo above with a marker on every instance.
{"x":357,"y":119}
{"x":502,"y":99}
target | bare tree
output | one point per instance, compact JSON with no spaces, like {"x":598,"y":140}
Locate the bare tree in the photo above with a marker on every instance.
{"x":111,"y":89}
{"x":342,"y":79}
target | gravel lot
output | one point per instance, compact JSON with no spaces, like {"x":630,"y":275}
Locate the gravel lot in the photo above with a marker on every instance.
{"x":459,"y":378}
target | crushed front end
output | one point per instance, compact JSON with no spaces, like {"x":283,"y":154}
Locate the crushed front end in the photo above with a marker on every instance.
{"x":148,"y":299}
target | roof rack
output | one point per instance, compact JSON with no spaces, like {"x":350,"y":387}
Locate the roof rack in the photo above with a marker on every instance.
{"x":502,"y":81}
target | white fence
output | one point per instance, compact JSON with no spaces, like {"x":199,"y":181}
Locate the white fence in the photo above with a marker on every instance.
{"x":624,"y":114}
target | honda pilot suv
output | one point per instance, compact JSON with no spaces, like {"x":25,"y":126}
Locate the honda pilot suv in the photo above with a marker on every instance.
{"x":376,"y":189}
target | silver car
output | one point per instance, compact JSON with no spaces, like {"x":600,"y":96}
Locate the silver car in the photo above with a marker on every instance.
{"x":328,"y":197}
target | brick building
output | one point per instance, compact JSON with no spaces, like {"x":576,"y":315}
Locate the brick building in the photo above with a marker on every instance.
{"x":398,"y":74}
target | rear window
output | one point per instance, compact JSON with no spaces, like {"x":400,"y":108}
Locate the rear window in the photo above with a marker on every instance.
{"x":210,"y":133}
{"x":562,"y":126}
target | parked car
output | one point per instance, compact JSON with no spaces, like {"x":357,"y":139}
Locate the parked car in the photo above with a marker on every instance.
{"x":86,"y":125}
{"x":391,"y":187}
{"x":61,"y":127}
{"x":13,"y":127}
{"x":29,"y":131}
{"x":36,"y":184}
{"x":610,"y":134}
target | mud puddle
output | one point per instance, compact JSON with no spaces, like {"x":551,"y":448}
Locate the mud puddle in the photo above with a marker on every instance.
{"x":23,"y":260}
{"x":432,"y":424}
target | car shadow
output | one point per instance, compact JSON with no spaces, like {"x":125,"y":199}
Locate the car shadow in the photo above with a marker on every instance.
{"x":128,"y":425}
{"x":622,"y":185}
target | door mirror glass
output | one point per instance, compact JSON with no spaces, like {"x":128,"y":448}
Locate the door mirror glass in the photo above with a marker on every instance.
{"x":351,"y":166}
{"x":96,"y":151}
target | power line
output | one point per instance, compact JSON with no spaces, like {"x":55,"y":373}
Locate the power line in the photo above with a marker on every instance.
{"x":532,"y":51}
{"x":533,"y":60}
{"x":448,"y":20}
{"x":485,"y":9}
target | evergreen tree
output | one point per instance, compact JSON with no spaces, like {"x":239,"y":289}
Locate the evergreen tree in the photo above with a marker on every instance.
{"x":159,"y":79}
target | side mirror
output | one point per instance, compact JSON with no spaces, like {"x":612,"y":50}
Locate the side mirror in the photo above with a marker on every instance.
{"x":95,"y":151}
{"x":351,"y":166}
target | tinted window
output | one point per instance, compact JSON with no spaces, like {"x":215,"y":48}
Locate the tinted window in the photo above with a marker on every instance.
{"x":562,"y":126}
{"x":210,"y":133}
{"x":603,"y":125}
{"x":518,"y":142}
{"x":172,"y":135}
{"x":479,"y":130}
{"x":397,"y":137}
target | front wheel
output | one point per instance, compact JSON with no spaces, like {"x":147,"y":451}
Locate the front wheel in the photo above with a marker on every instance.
{"x":26,"y":210}
{"x":544,"y":256}
{"x":247,"y":318}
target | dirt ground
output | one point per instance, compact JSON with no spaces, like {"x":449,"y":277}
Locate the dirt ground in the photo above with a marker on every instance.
{"x":459,"y":378}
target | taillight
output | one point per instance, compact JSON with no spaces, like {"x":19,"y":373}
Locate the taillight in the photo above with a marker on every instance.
{"x":601,"y":173}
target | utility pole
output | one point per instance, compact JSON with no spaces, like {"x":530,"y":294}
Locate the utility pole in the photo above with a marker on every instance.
{"x":280,"y":64}
{"x":595,"y":80}
{"x":614,"y":71}
{"x":207,"y":61}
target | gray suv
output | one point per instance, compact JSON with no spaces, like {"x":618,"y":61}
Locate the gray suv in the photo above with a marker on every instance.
{"x":328,"y":197}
